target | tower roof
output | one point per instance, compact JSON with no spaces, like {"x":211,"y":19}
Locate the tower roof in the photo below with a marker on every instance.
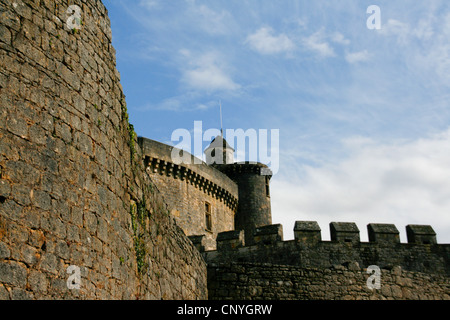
{"x":219,"y":142}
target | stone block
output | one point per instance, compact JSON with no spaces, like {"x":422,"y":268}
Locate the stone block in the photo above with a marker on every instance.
{"x":21,"y":294}
{"x":230,"y":240}
{"x":307,"y":232}
{"x":13,"y":273}
{"x":49,"y":263}
{"x":383,"y":233}
{"x":344,"y":232}
{"x":422,"y":234}
{"x":4,"y":251}
{"x":37,"y":281}
{"x":268,"y":234}
{"x":4,"y":294}
{"x":199,"y":242}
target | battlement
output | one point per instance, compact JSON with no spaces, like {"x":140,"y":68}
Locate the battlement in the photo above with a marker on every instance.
{"x":158,"y":159}
{"x":309,"y":232}
{"x":421,"y":253}
{"x":244,"y":167}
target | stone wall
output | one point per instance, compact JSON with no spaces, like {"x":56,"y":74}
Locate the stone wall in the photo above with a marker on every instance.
{"x":256,"y":281}
{"x":311,"y":252}
{"x":309,"y":268}
{"x":73,"y":187}
{"x":187,"y":187}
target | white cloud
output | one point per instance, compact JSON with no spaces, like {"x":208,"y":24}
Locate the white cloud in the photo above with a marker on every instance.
{"x":405,"y":32}
{"x":424,"y":30}
{"x":424,"y":45}
{"x":185,"y":102}
{"x":317,"y":43}
{"x":401,"y":183}
{"x":207,"y":72}
{"x":436,"y":54}
{"x":149,"y":4}
{"x":355,"y":57}
{"x":211,"y":21}
{"x":209,"y":77}
{"x":396,"y":28}
{"x":169,"y":104}
{"x":265,"y":42}
{"x":338,"y":37}
{"x":202,"y":106}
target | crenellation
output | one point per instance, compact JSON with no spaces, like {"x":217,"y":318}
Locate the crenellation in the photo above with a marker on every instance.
{"x":344,"y":232}
{"x":210,"y":186}
{"x":309,"y":250}
{"x":307,"y":232}
{"x":230,"y":240}
{"x":420,"y":234}
{"x":310,"y":232}
{"x":269,"y":234}
{"x":199,"y":242}
{"x":383,"y":233}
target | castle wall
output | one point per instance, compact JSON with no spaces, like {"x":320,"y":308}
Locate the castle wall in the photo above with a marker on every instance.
{"x":186,"y":188}
{"x":73,"y":187}
{"x":265,"y":281}
{"x":75,"y":194}
{"x":412,"y":257}
{"x":309,"y":268}
{"x":269,"y":247}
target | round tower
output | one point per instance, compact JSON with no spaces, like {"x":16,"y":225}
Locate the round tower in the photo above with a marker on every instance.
{"x":254,"y":209}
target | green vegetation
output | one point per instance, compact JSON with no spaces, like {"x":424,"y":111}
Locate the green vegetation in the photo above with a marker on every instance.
{"x":139,"y":215}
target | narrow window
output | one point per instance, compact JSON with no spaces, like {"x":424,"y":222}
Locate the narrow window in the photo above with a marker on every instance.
{"x":208,"y":220}
{"x":267,"y":187}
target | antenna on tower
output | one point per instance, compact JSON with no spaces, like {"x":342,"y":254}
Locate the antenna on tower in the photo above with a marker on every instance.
{"x":221,"y":123}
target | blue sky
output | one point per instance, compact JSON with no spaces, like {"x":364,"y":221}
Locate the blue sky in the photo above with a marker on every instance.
{"x":363,"y":114}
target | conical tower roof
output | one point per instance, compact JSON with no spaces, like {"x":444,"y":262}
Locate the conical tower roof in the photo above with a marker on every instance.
{"x":219,"y":142}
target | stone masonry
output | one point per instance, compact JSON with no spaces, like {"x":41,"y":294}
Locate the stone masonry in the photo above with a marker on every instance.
{"x":73,"y":188}
{"x":89,"y":211}
{"x":265,"y":281}
{"x":187,"y":187}
{"x":309,"y":268}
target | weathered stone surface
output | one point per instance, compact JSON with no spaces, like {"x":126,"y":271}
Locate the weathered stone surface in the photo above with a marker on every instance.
{"x":268,"y":234}
{"x":256,"y":281}
{"x":230,"y":240}
{"x":383,"y":233}
{"x":4,"y":294}
{"x":307,"y":231}
{"x":321,"y":254}
{"x":13,"y":273}
{"x":344,"y":231}
{"x":75,"y":195}
{"x":420,"y":234}
{"x":254,"y":206}
{"x":70,"y":169}
{"x":4,"y":251}
{"x":188,"y":187}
